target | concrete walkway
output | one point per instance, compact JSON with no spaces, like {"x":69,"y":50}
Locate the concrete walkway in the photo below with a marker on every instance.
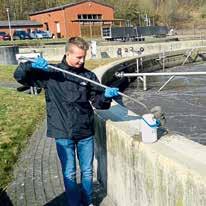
{"x":37,"y":176}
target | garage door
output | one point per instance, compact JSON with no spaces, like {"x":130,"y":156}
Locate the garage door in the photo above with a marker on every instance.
{"x":90,"y":30}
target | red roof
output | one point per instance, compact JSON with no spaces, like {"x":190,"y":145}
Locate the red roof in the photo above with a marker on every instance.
{"x":68,"y":5}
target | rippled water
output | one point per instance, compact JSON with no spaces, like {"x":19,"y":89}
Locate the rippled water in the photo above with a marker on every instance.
{"x":183,"y":100}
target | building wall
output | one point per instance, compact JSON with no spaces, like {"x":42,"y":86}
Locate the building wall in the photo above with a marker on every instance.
{"x":51,"y":18}
{"x":85,"y":8}
{"x":66,"y":16}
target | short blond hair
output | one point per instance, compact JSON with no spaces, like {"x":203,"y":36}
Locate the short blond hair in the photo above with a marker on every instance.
{"x":77,"y":41}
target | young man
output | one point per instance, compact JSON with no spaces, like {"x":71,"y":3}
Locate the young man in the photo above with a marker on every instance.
{"x":70,"y":114}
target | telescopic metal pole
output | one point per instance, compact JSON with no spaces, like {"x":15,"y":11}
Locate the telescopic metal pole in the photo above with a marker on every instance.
{"x":89,"y":80}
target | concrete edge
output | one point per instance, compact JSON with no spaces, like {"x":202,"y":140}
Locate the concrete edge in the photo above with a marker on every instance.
{"x":176,"y":147}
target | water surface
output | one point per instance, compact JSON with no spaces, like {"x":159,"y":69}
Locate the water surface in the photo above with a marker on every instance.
{"x":183,"y":100}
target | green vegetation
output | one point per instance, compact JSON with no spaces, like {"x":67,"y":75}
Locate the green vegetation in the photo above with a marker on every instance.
{"x":173,"y":13}
{"x":6,"y":73}
{"x":92,"y":64}
{"x":32,"y":42}
{"x":20,"y":114}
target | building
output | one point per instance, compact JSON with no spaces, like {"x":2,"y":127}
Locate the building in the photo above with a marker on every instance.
{"x":84,"y":18}
{"x":26,"y":25}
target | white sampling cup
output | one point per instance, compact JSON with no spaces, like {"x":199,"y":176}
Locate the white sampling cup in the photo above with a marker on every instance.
{"x":148,"y":128}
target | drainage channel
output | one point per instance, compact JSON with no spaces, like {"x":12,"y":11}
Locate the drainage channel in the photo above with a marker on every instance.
{"x":183,"y":100}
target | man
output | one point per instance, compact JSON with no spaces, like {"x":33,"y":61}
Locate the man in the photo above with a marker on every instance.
{"x":70,"y":114}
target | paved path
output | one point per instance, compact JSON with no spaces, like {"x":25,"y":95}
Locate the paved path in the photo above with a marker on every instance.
{"x":37,"y":176}
{"x":12,"y":85}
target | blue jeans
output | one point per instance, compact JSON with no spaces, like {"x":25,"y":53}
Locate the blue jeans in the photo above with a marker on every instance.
{"x":85,"y":152}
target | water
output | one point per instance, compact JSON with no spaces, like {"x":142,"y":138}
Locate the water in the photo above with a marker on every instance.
{"x":183,"y":100}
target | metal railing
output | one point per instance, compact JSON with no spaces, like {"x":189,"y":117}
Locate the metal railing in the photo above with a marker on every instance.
{"x":142,"y":76}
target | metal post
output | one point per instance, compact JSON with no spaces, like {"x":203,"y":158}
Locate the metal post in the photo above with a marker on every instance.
{"x":144,"y":78}
{"x":146,"y":19}
{"x":163,"y":61}
{"x":189,"y":54}
{"x":139,"y":19}
{"x":141,"y":63}
{"x":31,"y":89}
{"x":144,"y":83}
{"x":35,"y":91}
{"x":7,"y":10}
{"x":137,"y":70}
{"x":137,"y":65}
{"x":90,"y":28}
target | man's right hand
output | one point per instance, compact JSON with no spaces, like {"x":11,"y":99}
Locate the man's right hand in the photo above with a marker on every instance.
{"x":40,"y":63}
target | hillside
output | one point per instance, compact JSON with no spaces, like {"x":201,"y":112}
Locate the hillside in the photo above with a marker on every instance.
{"x":180,"y":14}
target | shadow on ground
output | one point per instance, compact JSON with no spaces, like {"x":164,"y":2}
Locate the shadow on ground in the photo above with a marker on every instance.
{"x":4,"y":199}
{"x":60,"y":200}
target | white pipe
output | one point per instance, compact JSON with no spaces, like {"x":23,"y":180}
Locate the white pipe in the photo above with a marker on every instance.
{"x":121,"y":74}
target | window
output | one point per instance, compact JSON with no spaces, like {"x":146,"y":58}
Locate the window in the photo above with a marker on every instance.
{"x":89,"y":16}
{"x":58,"y":30}
{"x":47,"y":26}
{"x":106,"y":32}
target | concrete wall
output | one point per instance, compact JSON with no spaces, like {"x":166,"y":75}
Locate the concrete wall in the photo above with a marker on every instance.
{"x":51,"y":53}
{"x":55,"y":53}
{"x":170,"y":172}
{"x":150,"y":48}
{"x":8,"y":55}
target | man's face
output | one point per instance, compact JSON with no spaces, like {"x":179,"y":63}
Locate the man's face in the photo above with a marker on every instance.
{"x":75,"y":56}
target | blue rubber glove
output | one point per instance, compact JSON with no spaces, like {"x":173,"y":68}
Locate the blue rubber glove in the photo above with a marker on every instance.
{"x":40,"y":63}
{"x":111,"y":92}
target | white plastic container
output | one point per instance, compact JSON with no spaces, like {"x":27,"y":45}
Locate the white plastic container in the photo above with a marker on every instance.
{"x":148,"y":128}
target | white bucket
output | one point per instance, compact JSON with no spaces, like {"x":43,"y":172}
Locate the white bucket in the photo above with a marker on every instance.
{"x":148,"y":128}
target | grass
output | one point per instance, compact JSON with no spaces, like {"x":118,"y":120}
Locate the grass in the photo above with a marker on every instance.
{"x":19,"y":115}
{"x":6,"y":73}
{"x":92,"y":64}
{"x":32,"y":42}
{"x":37,"y":42}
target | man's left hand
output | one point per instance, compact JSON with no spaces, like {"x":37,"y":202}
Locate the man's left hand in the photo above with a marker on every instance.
{"x":111,"y":92}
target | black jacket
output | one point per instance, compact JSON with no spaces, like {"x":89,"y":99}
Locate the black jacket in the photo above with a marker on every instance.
{"x":69,"y":112}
